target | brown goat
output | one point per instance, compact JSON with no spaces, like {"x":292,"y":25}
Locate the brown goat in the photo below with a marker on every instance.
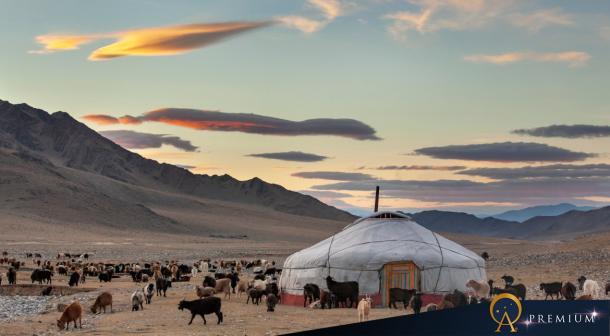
{"x":223,"y":285}
{"x":102,"y":301}
{"x":72,"y":313}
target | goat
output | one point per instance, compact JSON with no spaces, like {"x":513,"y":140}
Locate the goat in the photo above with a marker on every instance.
{"x":568,"y":291}
{"x":202,"y":307}
{"x":311,"y":292}
{"x":103,"y":300}
{"x":481,"y":289}
{"x":137,"y":300}
{"x":204,"y":291}
{"x":343,"y":290}
{"x":364,"y":308}
{"x":550,"y":289}
{"x":149,"y":291}
{"x":72,"y":313}
{"x":400,"y":295}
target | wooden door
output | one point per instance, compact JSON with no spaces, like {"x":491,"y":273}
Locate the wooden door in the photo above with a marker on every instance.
{"x":404,"y":275}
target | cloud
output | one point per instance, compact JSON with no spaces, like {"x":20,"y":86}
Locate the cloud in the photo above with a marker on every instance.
{"x":418,"y":167}
{"x":535,"y":21}
{"x":567,"y":131}
{"x":291,"y":156}
{"x":537,"y":172}
{"x":152,"y":41}
{"x":572,"y":58}
{"x":187,"y":167}
{"x":328,"y":9}
{"x":435,"y":15}
{"x":332,"y":175}
{"x":536,"y":191}
{"x":137,"y":140}
{"x":246,"y":123}
{"x":325,"y":194}
{"x":504,"y":152}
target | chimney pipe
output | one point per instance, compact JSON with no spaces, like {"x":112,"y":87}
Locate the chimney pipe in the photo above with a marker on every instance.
{"x":377,"y":199}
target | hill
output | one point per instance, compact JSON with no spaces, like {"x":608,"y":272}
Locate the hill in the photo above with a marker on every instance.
{"x":524,"y":214}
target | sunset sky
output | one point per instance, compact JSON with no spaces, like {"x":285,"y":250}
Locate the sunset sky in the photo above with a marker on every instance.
{"x":478,"y":105}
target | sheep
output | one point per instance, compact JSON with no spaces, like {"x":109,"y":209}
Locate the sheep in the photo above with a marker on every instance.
{"x":271,"y":302}
{"x":144,"y":277}
{"x":416,"y":303}
{"x":223,"y":285}
{"x":550,"y":289}
{"x":481,"y":289}
{"x":204,"y":291}
{"x":103,"y":300}
{"x":400,"y":295}
{"x":568,"y":291}
{"x":311,"y":292}
{"x":364,"y":308}
{"x":149,"y":291}
{"x":137,"y":300}
{"x":343,"y":290}
{"x":242,"y":287}
{"x":201,"y":307}
{"x":72,"y":313}
{"x":589,"y":287}
{"x":584,"y":298}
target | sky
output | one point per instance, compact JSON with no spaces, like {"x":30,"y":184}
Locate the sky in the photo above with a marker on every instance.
{"x":476,"y":106}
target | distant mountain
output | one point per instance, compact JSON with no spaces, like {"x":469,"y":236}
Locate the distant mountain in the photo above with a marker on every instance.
{"x":522,"y":215}
{"x":55,"y":168}
{"x":570,"y":224}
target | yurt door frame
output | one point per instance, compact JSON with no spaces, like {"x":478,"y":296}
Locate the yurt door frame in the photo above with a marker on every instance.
{"x":398,"y":274}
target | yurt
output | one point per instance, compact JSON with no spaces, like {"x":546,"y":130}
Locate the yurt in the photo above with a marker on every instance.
{"x":382,"y":251}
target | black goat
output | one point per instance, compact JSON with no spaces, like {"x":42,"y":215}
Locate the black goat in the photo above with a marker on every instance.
{"x":550,"y":289}
{"x":400,"y":295}
{"x":311,"y":292}
{"x":344,"y":291}
{"x":202,"y":307}
{"x":162,"y":285}
{"x":568,"y":291}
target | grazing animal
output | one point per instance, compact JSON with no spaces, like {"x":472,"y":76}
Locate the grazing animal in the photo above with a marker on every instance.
{"x":457,"y":298}
{"x":568,"y":291}
{"x":74,"y":278}
{"x":204,"y":291}
{"x":519,"y":290}
{"x":481,"y":289}
{"x":325,"y":299}
{"x":550,"y":289}
{"x":256,"y":295}
{"x":271,"y":302}
{"x":242,"y":287}
{"x":223,"y":285}
{"x":400,"y":295}
{"x":47,"y":291}
{"x":445,"y":305}
{"x":485,"y":256}
{"x":137,"y":300}
{"x":343,"y":290}
{"x":103,"y":300}
{"x":364,"y":308}
{"x":41,"y":275}
{"x":584,"y":298}
{"x":208,"y":281}
{"x":508,"y":280}
{"x":607,"y":288}
{"x":162,"y":285}
{"x":72,"y":313}
{"x":431,"y":307}
{"x":591,"y":287}
{"x":149,"y":291}
{"x":496,"y":291}
{"x":272,"y":288}
{"x":416,"y":303}
{"x":202,"y":307}
{"x":12,"y":276}
{"x":311,"y":292}
{"x":105,"y":277}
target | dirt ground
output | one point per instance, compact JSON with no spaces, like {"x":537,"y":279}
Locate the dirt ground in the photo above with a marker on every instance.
{"x":529,"y":262}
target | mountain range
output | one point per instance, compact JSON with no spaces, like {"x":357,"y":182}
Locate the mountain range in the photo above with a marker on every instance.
{"x":56,"y":171}
{"x":521,"y":215}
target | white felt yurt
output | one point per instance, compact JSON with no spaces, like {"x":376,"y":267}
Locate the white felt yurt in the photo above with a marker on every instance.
{"x":385,"y":250}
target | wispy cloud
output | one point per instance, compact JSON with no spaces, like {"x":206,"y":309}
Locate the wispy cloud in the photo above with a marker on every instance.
{"x":567,"y":131}
{"x":538,"y":20}
{"x":329,"y":10}
{"x":334,"y":175}
{"x":152,"y":41}
{"x":138,"y":140}
{"x":246,"y":123}
{"x":504,"y":152}
{"x":291,"y":156}
{"x":417,"y":167}
{"x":547,"y":171}
{"x":572,"y":58}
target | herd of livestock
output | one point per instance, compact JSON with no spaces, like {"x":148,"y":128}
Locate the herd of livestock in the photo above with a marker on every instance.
{"x":223,"y":277}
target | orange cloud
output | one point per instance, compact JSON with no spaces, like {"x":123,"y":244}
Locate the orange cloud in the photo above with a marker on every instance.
{"x":102,"y":119}
{"x":573,"y":58}
{"x":154,"y":41}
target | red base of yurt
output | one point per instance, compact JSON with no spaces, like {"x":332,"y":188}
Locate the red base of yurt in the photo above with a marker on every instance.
{"x":297,"y":300}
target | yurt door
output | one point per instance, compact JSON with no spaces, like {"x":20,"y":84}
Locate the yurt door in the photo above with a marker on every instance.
{"x":399,"y":275}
